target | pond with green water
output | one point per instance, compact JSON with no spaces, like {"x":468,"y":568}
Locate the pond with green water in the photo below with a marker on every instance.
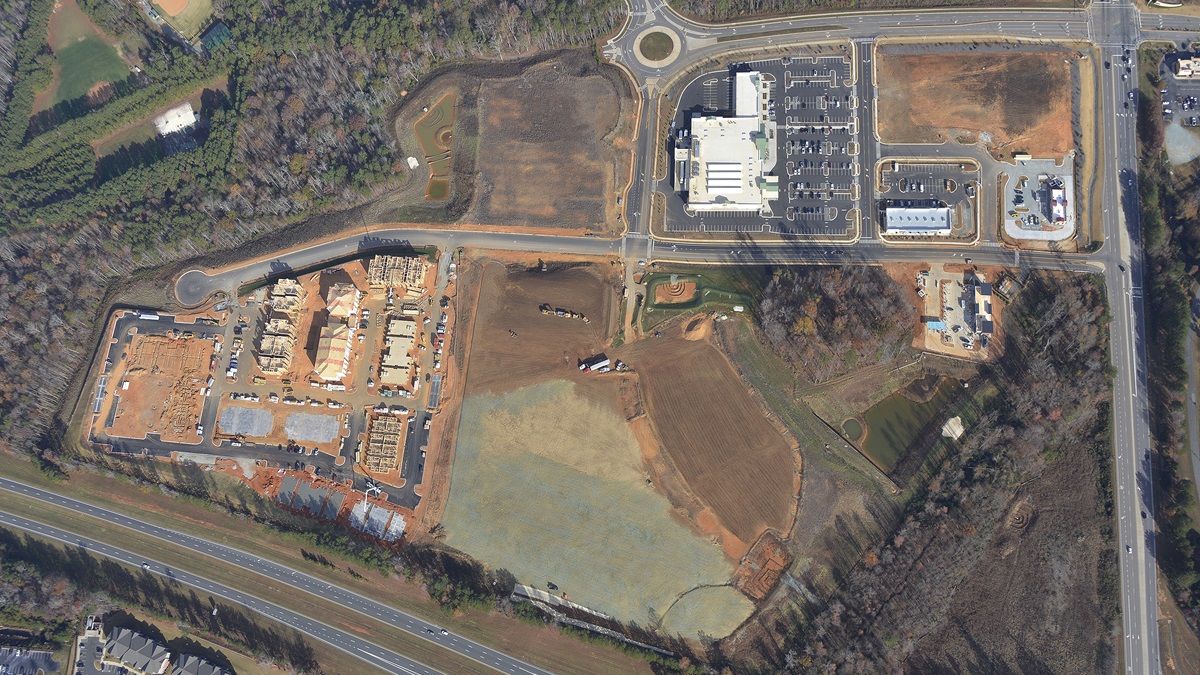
{"x":893,"y":424}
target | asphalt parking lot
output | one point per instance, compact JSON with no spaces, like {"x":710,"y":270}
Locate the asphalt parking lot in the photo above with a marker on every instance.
{"x":818,"y":146}
{"x":932,"y":184}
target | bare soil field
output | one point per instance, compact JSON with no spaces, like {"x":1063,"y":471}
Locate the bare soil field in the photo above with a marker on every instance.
{"x":546,"y":346}
{"x":166,"y":379}
{"x":587,"y":515}
{"x":1021,"y":100}
{"x":542,"y":144}
{"x":735,"y":461}
{"x":548,"y":153}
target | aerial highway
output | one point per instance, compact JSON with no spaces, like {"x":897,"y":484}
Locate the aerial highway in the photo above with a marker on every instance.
{"x":377,"y":656}
{"x":277,"y":573}
{"x":1116,"y":27}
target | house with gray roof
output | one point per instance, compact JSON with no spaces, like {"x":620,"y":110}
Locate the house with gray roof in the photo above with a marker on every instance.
{"x":136,"y":652}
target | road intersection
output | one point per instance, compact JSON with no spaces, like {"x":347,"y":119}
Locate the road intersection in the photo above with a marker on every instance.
{"x":1114,"y":27}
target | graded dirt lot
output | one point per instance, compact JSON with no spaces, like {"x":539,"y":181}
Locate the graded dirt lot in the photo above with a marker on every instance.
{"x":546,"y":346}
{"x":1022,"y":100}
{"x":733,"y":459}
{"x":547,"y":152}
{"x":549,"y":480}
{"x":166,"y":379}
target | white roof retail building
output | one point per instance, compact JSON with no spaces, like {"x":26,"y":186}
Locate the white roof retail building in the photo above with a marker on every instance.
{"x":922,"y":222}
{"x":730,"y":157}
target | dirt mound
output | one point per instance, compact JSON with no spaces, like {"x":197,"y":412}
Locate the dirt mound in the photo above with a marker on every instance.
{"x":1021,"y":515}
{"x":100,"y":93}
{"x":675,"y":292}
{"x":698,"y":328}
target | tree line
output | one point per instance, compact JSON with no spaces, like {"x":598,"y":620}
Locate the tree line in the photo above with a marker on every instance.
{"x":75,"y":574}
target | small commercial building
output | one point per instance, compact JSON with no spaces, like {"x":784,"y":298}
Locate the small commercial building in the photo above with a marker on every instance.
{"x":983,"y":307}
{"x":1187,"y":68}
{"x":918,"y":222}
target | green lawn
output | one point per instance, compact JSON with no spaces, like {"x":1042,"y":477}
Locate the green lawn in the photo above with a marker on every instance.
{"x":84,"y":63}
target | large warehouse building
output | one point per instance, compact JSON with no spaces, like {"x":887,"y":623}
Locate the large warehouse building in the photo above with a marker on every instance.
{"x":729,"y":157}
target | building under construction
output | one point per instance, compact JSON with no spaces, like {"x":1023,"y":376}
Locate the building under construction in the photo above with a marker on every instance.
{"x":385,"y":438}
{"x":276,"y":346}
{"x":277,"y":342}
{"x":397,"y":362}
{"x":286,"y":298}
{"x":385,"y":271}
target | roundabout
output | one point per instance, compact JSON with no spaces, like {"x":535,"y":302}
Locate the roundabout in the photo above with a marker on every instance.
{"x":657,"y":47}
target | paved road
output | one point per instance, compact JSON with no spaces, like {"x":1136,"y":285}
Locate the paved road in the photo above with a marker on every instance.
{"x":1114,"y":26}
{"x":195,"y":285}
{"x":355,"y":646}
{"x":279,"y":574}
{"x":1193,"y":428}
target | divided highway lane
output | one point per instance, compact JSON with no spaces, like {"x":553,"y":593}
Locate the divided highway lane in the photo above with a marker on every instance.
{"x":356,"y":647}
{"x":281,"y":574}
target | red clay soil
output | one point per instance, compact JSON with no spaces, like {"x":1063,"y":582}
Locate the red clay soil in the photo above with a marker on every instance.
{"x":761,"y":568}
{"x":732,"y":459}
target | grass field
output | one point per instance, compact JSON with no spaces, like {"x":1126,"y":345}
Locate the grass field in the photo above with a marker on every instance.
{"x":85,"y":55}
{"x":657,"y":46}
{"x":548,"y":485}
{"x":191,"y":20}
{"x":86,"y":63}
{"x":1021,"y":99}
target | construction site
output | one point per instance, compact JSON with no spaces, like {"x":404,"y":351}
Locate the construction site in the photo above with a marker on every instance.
{"x":160,"y":388}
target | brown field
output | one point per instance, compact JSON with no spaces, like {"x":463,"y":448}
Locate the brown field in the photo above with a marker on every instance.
{"x":1023,"y":100}
{"x":546,"y":346}
{"x":166,"y":379}
{"x":548,"y":152}
{"x":678,"y":292}
{"x":733,"y":459}
{"x":587,"y":515}
{"x":172,"y":7}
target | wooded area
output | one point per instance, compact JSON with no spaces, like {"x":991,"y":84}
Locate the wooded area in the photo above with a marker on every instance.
{"x":826,"y":321}
{"x":1170,"y":204}
{"x":913,"y":600}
